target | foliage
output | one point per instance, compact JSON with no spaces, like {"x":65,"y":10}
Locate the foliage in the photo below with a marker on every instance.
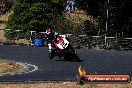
{"x":71,"y":23}
{"x":119,"y":20}
{"x":34,"y":14}
{"x":93,"y":8}
{"x":5,"y":6}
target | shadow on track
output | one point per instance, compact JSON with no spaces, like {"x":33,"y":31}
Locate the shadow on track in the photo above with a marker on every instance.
{"x":70,"y":60}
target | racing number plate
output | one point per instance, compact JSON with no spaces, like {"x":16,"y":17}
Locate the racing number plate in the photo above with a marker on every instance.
{"x":64,"y":45}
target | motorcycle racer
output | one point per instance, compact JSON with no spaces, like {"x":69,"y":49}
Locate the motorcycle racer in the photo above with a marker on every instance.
{"x":59,"y":45}
{"x":51,"y":35}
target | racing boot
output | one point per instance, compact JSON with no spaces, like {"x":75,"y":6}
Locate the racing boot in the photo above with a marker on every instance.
{"x":51,"y":55}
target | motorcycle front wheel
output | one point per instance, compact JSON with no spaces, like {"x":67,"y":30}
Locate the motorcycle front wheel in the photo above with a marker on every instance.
{"x":50,"y":56}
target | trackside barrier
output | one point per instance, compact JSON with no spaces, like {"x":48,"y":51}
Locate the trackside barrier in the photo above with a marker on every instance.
{"x":113,"y":43}
{"x":84,"y":41}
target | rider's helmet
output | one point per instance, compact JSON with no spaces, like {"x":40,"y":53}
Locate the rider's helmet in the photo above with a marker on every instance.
{"x":48,"y":30}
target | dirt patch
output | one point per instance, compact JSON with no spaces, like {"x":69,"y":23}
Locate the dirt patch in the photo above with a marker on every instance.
{"x":23,"y":41}
{"x":3,"y":20}
{"x":2,"y":38}
{"x":13,"y":68}
{"x":9,"y":66}
{"x":64,"y":85}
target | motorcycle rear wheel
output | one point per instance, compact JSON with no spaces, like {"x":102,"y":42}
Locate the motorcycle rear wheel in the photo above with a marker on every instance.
{"x":74,"y":55}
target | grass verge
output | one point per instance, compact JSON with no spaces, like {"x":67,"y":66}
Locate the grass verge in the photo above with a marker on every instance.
{"x":9,"y":66}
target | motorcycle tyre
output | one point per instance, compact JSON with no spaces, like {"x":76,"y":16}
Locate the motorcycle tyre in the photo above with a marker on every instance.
{"x":50,"y":56}
{"x":74,"y":55}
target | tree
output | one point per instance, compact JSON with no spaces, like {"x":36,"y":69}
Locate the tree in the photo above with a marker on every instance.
{"x":34,"y":14}
{"x":5,"y":5}
{"x":119,"y":21}
{"x":94,"y":9}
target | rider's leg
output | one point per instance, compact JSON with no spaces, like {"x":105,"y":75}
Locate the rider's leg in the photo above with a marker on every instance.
{"x":49,"y":45}
{"x":50,"y":51}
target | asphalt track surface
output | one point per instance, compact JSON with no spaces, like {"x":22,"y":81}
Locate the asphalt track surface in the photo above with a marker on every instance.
{"x":93,"y":61}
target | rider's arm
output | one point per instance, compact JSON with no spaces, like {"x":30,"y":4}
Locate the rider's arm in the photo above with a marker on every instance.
{"x":47,"y":40}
